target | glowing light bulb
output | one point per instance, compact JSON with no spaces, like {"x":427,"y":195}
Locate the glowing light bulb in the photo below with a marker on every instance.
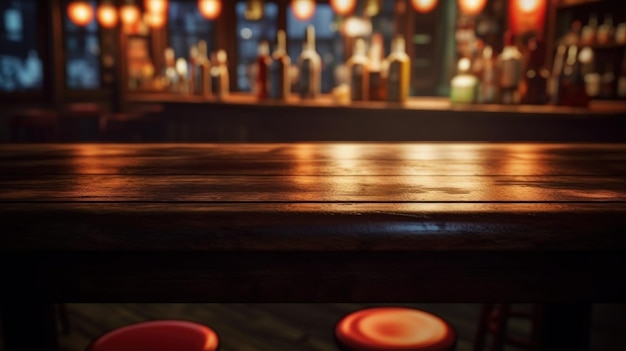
{"x":303,"y":9}
{"x":80,"y":13}
{"x":424,"y":6}
{"x":107,"y":15}
{"x":155,"y":6}
{"x":129,"y":14}
{"x":210,"y":9}
{"x":472,"y":7}
{"x":343,"y":7}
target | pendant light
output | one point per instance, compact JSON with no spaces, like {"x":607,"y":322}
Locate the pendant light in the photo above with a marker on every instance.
{"x":210,"y":9}
{"x":529,"y":6}
{"x":155,"y":6}
{"x":303,"y":9}
{"x":472,"y":7}
{"x":107,"y":15}
{"x":80,"y":12}
{"x":154,"y":19}
{"x":129,"y":14}
{"x":343,"y":7}
{"x":424,"y":6}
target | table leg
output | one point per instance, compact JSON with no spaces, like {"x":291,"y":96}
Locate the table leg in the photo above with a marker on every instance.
{"x":566,"y":327}
{"x":29,"y":327}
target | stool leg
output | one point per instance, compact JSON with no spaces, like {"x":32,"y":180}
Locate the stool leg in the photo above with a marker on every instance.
{"x":500,"y":332}
{"x":482,"y":329}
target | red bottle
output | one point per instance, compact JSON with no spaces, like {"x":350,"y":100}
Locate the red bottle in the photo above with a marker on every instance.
{"x":263,"y":64}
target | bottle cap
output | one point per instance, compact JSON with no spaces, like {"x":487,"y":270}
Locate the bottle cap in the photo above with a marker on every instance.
{"x":222,"y":57}
{"x":398,"y":44}
{"x":464,"y":65}
{"x":264,"y":48}
{"x":359,"y":47}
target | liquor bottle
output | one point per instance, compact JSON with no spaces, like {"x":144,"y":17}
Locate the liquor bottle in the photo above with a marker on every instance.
{"x":219,"y":74}
{"x":620,"y":34}
{"x":621,"y":84}
{"x":487,"y":85}
{"x":509,"y":71}
{"x":590,"y":75}
{"x":536,"y":77}
{"x":310,"y":67}
{"x":263,"y":63}
{"x":589,"y":32}
{"x":573,"y":36}
{"x":203,"y":82}
{"x":170,"y":76}
{"x":572,"y":89}
{"x":608,"y":83}
{"x":398,"y":71}
{"x":182,"y":72}
{"x":192,"y":63}
{"x":554,"y":84}
{"x":376,"y":83}
{"x":279,"y":81}
{"x":606,"y":31}
{"x":463,"y":85}
{"x":358,"y":66}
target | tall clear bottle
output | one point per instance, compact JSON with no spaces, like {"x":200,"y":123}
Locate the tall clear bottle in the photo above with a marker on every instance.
{"x":310,"y":67}
{"x":536,"y":77}
{"x":219,"y":75}
{"x":509,"y":71}
{"x":279,"y":79}
{"x":398,"y":71}
{"x":376,"y":82}
{"x":488,"y":85}
{"x":263,"y":64}
{"x":193,"y":72}
{"x":358,"y":66}
{"x":203,"y":83}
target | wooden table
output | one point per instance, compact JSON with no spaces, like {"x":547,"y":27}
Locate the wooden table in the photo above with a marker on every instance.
{"x":420,"y":222}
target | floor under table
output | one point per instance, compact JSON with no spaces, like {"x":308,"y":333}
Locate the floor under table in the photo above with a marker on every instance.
{"x":301,"y":327}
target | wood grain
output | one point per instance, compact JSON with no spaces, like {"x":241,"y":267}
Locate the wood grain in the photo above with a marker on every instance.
{"x":316,"y":222}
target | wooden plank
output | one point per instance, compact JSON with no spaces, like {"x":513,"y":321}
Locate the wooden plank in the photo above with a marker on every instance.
{"x":336,"y":188}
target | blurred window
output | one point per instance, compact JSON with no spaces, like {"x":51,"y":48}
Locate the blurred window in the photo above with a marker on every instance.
{"x":186,"y":27}
{"x":82,"y":50}
{"x":250,"y":33}
{"x":21,"y":68}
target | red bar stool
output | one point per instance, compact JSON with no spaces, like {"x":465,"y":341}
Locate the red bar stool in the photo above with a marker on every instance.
{"x":394,"y":328}
{"x":166,"y":335}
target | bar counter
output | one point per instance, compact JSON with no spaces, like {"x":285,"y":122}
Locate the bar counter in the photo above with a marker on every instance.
{"x":414,"y":222}
{"x":242,"y":118}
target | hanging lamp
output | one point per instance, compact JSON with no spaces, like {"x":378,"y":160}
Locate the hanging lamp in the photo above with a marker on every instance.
{"x":210,"y":9}
{"x":343,"y":7}
{"x":107,"y":15}
{"x":303,"y":9}
{"x":424,"y":6}
{"x":472,"y":7}
{"x":155,"y":6}
{"x":130,"y":14}
{"x":80,"y":12}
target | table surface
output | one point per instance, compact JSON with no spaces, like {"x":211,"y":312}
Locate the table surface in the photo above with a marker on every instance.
{"x":314,"y":222}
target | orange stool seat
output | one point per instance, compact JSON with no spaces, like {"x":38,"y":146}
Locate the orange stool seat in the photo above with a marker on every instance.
{"x":166,"y":335}
{"x":394,"y":328}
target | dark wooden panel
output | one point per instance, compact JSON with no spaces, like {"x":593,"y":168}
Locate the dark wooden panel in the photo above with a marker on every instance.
{"x":345,"y":227}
